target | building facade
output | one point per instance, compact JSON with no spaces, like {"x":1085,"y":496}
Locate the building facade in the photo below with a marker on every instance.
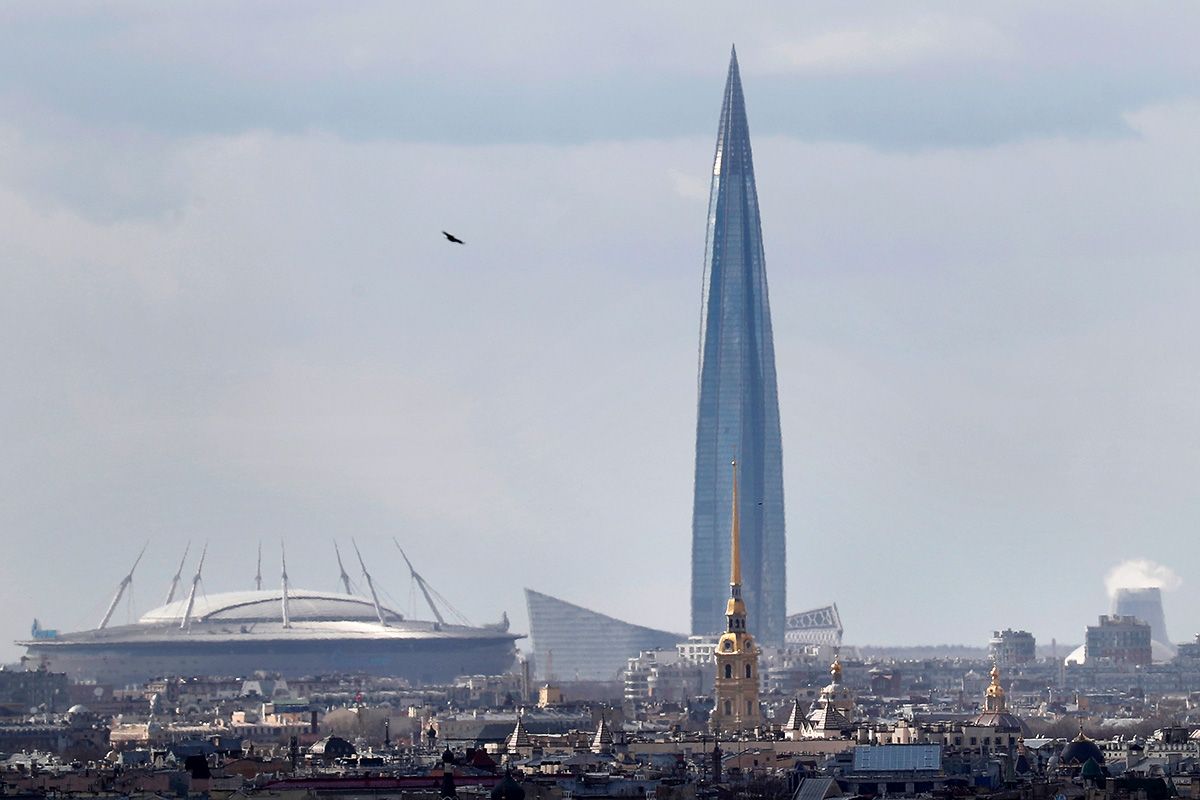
{"x":1190,"y":650}
{"x":665,"y":676}
{"x":34,"y":688}
{"x":698,"y":649}
{"x":1119,"y":639}
{"x":738,"y":409}
{"x":1010,"y":648}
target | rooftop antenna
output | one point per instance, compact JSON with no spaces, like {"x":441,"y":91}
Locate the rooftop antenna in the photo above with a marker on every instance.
{"x":258,"y":574}
{"x":370,"y":584}
{"x":128,"y":579}
{"x":178,"y":573}
{"x":421,"y":583}
{"x":191,"y":603}
{"x":345,"y":578}
{"x":287,"y":623}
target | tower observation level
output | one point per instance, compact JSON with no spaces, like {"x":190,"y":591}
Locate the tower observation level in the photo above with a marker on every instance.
{"x":738,"y":410}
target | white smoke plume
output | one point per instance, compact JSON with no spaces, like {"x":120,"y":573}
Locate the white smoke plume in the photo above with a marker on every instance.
{"x":1140,"y":573}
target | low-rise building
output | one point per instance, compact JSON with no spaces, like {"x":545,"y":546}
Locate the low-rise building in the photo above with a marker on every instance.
{"x":1010,"y":648}
{"x":1119,"y":639}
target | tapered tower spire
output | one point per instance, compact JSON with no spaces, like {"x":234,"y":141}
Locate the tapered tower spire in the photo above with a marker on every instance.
{"x":735,"y":608}
{"x":738,"y":409}
{"x":735,"y":539}
{"x":736,"y":686}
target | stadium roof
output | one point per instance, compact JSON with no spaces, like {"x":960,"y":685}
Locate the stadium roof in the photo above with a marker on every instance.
{"x":265,"y":605}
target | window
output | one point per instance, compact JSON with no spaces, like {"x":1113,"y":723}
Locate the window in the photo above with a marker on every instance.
{"x":729,"y":670}
{"x":747,"y":670}
{"x":728,"y":708}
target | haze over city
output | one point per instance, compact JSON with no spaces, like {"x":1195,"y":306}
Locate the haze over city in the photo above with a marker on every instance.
{"x":230,"y":314}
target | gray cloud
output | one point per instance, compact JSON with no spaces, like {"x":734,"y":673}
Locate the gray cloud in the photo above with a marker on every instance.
{"x":228,"y":314}
{"x":932,"y":75}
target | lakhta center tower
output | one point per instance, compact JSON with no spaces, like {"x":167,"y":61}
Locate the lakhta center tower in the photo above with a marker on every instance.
{"x":738,"y":414}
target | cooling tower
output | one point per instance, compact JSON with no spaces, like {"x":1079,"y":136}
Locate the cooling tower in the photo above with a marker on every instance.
{"x":1146,"y":605}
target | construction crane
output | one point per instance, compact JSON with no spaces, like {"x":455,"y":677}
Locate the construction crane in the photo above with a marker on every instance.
{"x":128,"y":579}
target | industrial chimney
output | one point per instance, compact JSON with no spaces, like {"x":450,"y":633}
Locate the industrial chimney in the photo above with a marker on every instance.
{"x":1146,"y":605}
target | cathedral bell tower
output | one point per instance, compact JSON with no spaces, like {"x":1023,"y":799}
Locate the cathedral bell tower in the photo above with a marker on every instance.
{"x":736,"y":685}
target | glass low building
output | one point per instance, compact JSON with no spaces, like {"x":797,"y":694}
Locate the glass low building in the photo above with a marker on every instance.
{"x":573,"y":643}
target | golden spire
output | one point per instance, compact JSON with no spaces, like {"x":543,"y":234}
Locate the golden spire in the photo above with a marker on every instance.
{"x":735,"y":556}
{"x":735,"y":608}
{"x":995,"y":688}
{"x":994,"y":696}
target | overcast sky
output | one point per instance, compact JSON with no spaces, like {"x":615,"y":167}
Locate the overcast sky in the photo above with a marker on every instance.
{"x":228,"y":314}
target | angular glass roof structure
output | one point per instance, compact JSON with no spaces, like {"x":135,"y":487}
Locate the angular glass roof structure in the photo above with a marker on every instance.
{"x":574,"y":643}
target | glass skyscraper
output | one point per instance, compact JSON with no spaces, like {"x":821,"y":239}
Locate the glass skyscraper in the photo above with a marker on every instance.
{"x":738,"y":414}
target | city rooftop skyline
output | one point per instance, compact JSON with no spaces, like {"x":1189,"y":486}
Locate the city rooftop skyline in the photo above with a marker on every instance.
{"x":230,"y":314}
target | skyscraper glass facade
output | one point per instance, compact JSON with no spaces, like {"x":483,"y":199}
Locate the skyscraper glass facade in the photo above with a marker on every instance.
{"x":738,"y":414}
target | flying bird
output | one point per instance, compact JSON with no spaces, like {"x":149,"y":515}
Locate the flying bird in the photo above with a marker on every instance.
{"x":450,"y":237}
